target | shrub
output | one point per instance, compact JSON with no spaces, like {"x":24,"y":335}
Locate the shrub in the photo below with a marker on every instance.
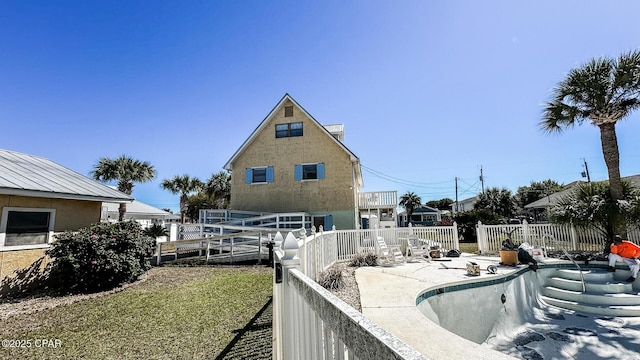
{"x":331,"y":279}
{"x":99,"y":257}
{"x":364,"y":259}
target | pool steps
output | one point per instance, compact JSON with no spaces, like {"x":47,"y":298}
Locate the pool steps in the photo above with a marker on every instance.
{"x":606,"y":293}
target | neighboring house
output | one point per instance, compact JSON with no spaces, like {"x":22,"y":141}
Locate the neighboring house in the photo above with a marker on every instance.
{"x":552,"y":199}
{"x":424,"y":215}
{"x":540,"y":206}
{"x":464,"y":205}
{"x":39,"y":198}
{"x":292,"y":163}
{"x":145,"y":215}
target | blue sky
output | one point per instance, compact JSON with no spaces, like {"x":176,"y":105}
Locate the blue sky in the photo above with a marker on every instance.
{"x":427,"y":90}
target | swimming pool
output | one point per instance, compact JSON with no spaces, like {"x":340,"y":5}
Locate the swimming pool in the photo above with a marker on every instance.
{"x":506,"y":313}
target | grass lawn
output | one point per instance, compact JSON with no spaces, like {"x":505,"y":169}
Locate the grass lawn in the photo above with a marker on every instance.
{"x":177,"y":313}
{"x":471,"y":248}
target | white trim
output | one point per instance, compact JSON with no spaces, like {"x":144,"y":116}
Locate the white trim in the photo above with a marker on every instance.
{"x":24,"y":247}
{"x":56,"y":195}
{"x":3,"y":227}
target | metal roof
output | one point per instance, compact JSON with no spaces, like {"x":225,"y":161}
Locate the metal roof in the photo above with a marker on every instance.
{"x":29,"y":175}
{"x":137,"y":208}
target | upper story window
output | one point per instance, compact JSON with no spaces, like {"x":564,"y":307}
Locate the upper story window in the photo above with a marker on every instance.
{"x":288,"y":130}
{"x":26,"y":226}
{"x":259,"y":175}
{"x":309,"y":171}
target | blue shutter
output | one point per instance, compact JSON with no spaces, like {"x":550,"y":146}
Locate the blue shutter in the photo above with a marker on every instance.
{"x":248,"y":176}
{"x":297,"y":172}
{"x":270,"y":174}
{"x":320,"y":171}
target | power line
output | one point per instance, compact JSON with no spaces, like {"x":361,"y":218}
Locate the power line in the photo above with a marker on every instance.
{"x":405,"y":182}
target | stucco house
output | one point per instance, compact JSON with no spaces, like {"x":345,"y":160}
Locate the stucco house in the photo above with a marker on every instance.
{"x":39,"y":198}
{"x":292,"y":163}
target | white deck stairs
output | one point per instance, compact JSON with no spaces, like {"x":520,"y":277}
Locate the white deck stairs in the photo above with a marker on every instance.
{"x":607,"y":293}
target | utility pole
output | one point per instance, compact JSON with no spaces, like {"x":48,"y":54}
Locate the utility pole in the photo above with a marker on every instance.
{"x":457,"y":210}
{"x":585,"y":173}
{"x":481,"y":179}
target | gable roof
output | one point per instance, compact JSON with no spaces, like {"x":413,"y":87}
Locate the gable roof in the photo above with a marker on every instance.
{"x":34,"y":176}
{"x":423,"y":209}
{"x":553,"y":199}
{"x":229,"y":165}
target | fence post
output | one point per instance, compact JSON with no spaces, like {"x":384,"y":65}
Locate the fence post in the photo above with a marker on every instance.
{"x":525,"y":231}
{"x":173,"y":232}
{"x":231,"y":251}
{"x":410,"y":229}
{"x":159,"y":259}
{"x":259,"y":248}
{"x":278,"y":342}
{"x":290,"y":260}
{"x":481,"y":238}
{"x":315,"y":252}
{"x":456,"y":237}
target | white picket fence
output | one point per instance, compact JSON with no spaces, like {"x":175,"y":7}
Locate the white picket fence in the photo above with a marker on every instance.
{"x":309,"y":322}
{"x":548,"y":236}
{"x":322,"y":249}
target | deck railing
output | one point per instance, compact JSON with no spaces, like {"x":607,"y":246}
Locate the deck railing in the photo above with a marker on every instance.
{"x":378,"y":200}
{"x":218,"y":243}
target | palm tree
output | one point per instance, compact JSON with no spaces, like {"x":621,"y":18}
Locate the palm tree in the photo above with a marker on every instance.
{"x":410,"y":201}
{"x":218,"y":187}
{"x":183,"y":185}
{"x":602,"y":91}
{"x":496,"y":200}
{"x":125,"y":171}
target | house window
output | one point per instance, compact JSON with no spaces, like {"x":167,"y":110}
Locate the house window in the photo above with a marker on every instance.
{"x":26,"y":226}
{"x":259,"y":175}
{"x":288,"y":130}
{"x":309,"y":171}
{"x":288,"y":111}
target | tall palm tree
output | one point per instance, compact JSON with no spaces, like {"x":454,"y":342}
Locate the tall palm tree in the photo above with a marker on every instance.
{"x":183,"y":185}
{"x":126,"y":171}
{"x":602,"y":91}
{"x":410,"y":201}
{"x":218,"y":187}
